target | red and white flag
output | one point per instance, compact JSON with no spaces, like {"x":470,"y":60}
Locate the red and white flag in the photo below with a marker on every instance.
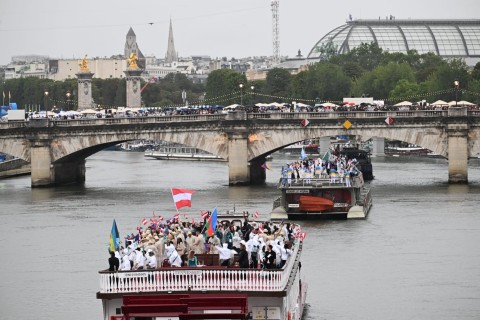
{"x":305,"y":122}
{"x":182,"y":197}
{"x":389,"y":120}
{"x":144,"y":221}
{"x":255,"y":216}
{"x":303,"y":235}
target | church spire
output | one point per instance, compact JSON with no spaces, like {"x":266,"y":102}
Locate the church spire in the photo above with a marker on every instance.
{"x":171,"y":55}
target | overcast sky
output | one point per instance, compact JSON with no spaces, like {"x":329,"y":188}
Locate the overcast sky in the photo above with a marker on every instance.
{"x":68,"y":28}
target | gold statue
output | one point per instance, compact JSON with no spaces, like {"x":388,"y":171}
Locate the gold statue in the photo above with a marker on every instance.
{"x":132,"y":61}
{"x":84,"y":65}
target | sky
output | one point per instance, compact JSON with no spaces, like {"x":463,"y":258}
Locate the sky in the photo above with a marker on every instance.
{"x":218,"y":28}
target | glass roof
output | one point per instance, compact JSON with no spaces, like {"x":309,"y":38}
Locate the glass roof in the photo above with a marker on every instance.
{"x":447,"y":38}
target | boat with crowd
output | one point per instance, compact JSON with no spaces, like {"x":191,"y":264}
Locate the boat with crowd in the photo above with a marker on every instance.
{"x":208,"y":290}
{"x":318,"y":198}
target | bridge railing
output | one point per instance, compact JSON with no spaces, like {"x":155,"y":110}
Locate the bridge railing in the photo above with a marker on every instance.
{"x":220,"y":116}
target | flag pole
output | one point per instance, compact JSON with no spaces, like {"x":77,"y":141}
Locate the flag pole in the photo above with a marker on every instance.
{"x":171,"y":190}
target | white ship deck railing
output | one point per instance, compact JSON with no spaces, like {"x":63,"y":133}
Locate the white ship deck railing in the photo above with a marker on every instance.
{"x":356,"y":182}
{"x":199,"y":279}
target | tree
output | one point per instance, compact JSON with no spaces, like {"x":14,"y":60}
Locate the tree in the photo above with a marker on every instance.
{"x":383,"y":79}
{"x":224,"y":83}
{"x":444,"y":76}
{"x":404,"y":90}
{"x":278,"y":83}
{"x":327,"y":82}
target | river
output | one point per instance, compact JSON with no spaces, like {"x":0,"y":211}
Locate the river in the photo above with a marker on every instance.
{"x":415,"y":257}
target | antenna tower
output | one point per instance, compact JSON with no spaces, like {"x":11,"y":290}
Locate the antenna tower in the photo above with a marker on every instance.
{"x":276,"y":32}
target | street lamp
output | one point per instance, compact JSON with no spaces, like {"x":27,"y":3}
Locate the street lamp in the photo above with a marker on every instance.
{"x":46,"y":102}
{"x":68,"y":94}
{"x":241,"y":93}
{"x":253,"y":93}
{"x":457,"y":85}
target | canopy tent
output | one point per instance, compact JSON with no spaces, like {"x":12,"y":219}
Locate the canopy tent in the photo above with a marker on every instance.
{"x":329,"y":104}
{"x":460,"y":103}
{"x":403,"y":104}
{"x":440,"y":103}
{"x":300,"y":104}
{"x":88,"y":111}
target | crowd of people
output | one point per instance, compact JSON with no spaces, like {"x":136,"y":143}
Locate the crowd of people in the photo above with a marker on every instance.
{"x":251,"y":245}
{"x":333,"y":167}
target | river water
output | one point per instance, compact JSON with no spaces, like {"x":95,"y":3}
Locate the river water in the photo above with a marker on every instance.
{"x":415,"y":257}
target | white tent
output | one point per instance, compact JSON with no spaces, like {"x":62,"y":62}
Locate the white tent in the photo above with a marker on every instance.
{"x":329,"y":104}
{"x":440,"y":103}
{"x":88,"y":111}
{"x":403,"y":104}
{"x":299,"y":104}
{"x":465,"y":103}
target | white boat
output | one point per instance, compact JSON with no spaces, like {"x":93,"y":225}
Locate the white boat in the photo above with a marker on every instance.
{"x":182,"y":153}
{"x":210,"y":291}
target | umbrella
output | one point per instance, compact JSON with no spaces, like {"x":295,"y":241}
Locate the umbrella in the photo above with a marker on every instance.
{"x":403,"y":103}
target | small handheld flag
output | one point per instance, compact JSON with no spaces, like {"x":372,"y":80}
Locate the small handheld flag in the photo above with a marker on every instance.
{"x":265,"y":165}
{"x":255,"y":216}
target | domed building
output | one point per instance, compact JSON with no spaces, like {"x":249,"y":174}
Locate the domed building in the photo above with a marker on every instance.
{"x":446,"y":38}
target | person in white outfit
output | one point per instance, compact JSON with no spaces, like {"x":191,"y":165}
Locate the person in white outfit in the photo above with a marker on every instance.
{"x":225,"y":254}
{"x":151,"y":260}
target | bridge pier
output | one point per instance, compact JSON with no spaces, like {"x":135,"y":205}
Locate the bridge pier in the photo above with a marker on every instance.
{"x":48,"y":174}
{"x":378,"y":146}
{"x":238,"y":166}
{"x":457,"y":131}
{"x":324,"y":145}
{"x":257,"y":173}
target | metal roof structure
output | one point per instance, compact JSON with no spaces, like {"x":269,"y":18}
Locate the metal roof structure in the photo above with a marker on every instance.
{"x":446,"y":38}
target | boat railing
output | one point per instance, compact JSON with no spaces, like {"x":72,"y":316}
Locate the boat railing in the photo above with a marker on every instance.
{"x":355,"y":182}
{"x":200,"y":279}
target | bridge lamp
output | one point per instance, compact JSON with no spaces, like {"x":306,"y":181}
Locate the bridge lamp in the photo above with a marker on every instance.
{"x":241,"y":93}
{"x":45,"y":93}
{"x":253,"y":92}
{"x":457,"y":85}
{"x":68,"y":94}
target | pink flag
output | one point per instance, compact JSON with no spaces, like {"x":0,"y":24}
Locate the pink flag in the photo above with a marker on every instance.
{"x":182,"y":197}
{"x":144,"y":221}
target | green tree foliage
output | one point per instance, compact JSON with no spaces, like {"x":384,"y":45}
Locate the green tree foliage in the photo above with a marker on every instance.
{"x":382,"y":80}
{"x":327,"y":81}
{"x":224,"y":82}
{"x":278,"y":82}
{"x":444,"y":76}
{"x":404,"y":90}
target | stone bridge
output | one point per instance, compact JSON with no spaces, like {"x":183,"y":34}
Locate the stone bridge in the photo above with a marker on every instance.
{"x":57,"y":149}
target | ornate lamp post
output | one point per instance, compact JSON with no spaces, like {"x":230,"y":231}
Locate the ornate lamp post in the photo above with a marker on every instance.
{"x":252,"y":87}
{"x":241,"y":93}
{"x":457,"y":85}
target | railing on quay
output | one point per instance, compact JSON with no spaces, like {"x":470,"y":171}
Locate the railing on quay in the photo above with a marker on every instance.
{"x":199,"y":279}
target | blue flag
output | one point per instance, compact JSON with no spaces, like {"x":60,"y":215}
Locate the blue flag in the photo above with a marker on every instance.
{"x":114,"y":238}
{"x":303,"y":154}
